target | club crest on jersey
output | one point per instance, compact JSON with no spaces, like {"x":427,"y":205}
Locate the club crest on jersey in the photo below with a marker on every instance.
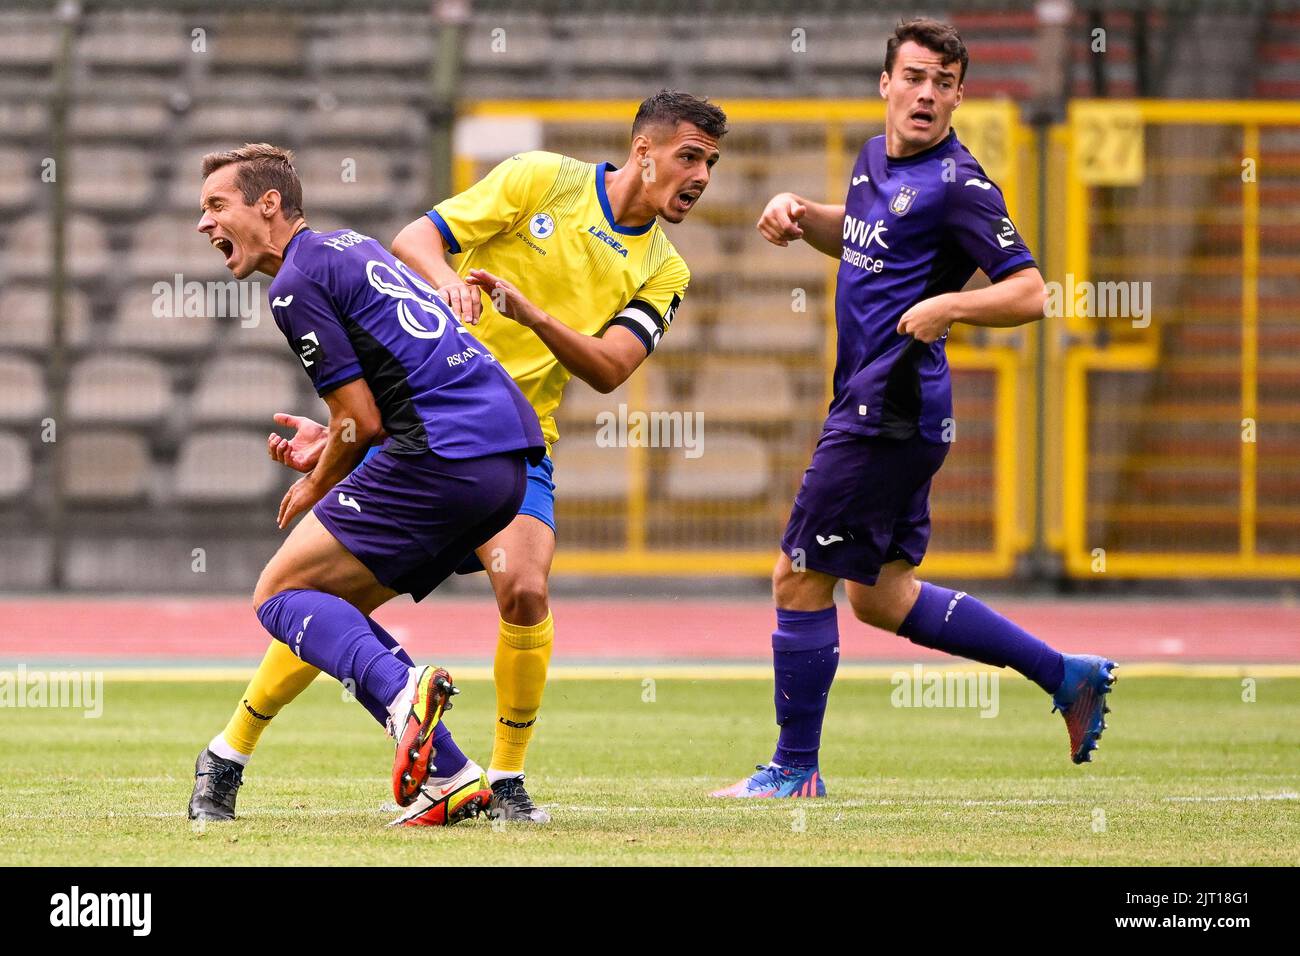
{"x":541,"y":225}
{"x":902,"y":202}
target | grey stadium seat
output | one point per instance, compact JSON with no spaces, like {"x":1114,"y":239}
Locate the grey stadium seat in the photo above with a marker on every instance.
{"x":26,"y":323}
{"x":125,"y":389}
{"x":104,"y":467}
{"x":15,"y":467}
{"x":743,"y":390}
{"x":731,"y":468}
{"x":323,"y":184}
{"x":137,"y":328}
{"x":109,"y":178}
{"x":226,"y":467}
{"x":23,"y":399}
{"x":246,"y":389}
{"x":591,"y":473}
{"x":18,"y":184}
{"x":27,"y":252}
{"x":768,"y":323}
{"x":135,"y":40}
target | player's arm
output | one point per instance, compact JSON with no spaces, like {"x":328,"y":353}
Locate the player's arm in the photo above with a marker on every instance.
{"x":354,"y":424}
{"x":470,"y":218}
{"x":788,"y":217}
{"x":976,"y":220}
{"x":604,"y":362}
{"x":422,"y":246}
{"x":1013,"y":300}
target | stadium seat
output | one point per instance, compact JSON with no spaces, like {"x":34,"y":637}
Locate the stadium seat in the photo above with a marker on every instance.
{"x":15,"y":467}
{"x":27,"y":252}
{"x":122,"y":389}
{"x":766,"y":322}
{"x":26,"y":323}
{"x":797,"y":265}
{"x":149,"y":41}
{"x":102,"y":467}
{"x":391,"y":42}
{"x":700,"y":245}
{"x":18,"y":184}
{"x":168,"y":244}
{"x":731,"y":468}
{"x":28,"y":39}
{"x":94,"y":119}
{"x":23,"y":399}
{"x":623,"y":44}
{"x":246,"y":390}
{"x":137,"y":328}
{"x":322,"y":170}
{"x":110,"y":179}
{"x":236,"y":122}
{"x":745,"y":46}
{"x":590,"y":473}
{"x":225,"y":467}
{"x":743,"y":390}
{"x":268,"y":38}
{"x":367,"y":122}
{"x":527,"y":42}
{"x":26,"y":119}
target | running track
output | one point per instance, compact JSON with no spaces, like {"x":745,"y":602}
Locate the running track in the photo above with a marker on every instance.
{"x":174,"y":631}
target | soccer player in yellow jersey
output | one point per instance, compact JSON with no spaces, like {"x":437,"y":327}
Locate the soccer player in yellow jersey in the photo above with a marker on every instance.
{"x":561,"y":269}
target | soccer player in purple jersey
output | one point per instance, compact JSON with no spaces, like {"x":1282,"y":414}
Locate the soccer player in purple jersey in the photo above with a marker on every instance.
{"x":920,"y":217}
{"x":390,"y":360}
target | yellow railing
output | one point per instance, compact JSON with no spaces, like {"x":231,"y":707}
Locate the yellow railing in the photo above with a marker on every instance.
{"x":1126,"y":155}
{"x":693,"y":543}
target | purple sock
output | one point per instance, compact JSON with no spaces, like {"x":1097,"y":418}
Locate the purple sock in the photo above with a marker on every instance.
{"x":329,"y":633}
{"x":450,"y":759}
{"x":956,"y":623}
{"x":805,"y":654}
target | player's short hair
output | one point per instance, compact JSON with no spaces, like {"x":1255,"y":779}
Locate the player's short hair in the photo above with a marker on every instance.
{"x":674,"y":106}
{"x":261,"y":167}
{"x":934,"y":35}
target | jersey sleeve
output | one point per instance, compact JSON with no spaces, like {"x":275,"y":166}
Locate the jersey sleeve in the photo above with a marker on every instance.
{"x":308,"y":317}
{"x":496,"y":202}
{"x":651,"y":311}
{"x":978,"y":221}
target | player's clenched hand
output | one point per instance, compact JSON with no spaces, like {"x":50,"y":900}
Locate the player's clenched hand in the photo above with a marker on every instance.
{"x":302,"y":494}
{"x":506,"y":299}
{"x":928,"y":320}
{"x":303,"y":450}
{"x":779,"y":223}
{"x":465,"y":302}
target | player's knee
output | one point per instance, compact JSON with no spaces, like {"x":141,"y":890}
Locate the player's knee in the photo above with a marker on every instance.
{"x":523,"y":599}
{"x":800,"y":590}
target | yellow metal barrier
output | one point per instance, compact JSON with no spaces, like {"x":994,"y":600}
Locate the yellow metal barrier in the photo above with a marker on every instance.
{"x":656,"y":519}
{"x":1161,"y":466}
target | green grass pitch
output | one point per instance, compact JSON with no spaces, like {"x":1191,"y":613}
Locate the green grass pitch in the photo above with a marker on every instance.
{"x":1188,"y":773}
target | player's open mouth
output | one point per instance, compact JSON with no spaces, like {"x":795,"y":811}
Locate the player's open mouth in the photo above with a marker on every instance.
{"x":225,"y":247}
{"x":922,"y":117}
{"x":687,"y":198}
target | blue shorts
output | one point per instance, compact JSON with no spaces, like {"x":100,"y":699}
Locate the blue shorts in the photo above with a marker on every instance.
{"x":539,"y":502}
{"x":864,"y":502}
{"x":412,"y":519}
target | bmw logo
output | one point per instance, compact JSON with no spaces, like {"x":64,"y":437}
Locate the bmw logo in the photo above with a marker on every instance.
{"x":541,"y":225}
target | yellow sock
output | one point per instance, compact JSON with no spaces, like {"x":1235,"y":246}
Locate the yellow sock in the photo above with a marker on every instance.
{"x":523,"y":653}
{"x":279,"y":679}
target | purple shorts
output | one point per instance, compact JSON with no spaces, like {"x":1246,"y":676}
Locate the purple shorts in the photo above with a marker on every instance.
{"x":411,"y":519}
{"x":864,"y":502}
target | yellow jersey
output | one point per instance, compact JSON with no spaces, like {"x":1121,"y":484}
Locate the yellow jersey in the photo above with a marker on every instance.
{"x":542,"y":222}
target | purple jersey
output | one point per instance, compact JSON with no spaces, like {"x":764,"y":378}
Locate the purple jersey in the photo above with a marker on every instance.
{"x":350,"y":310}
{"x":913,"y":228}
